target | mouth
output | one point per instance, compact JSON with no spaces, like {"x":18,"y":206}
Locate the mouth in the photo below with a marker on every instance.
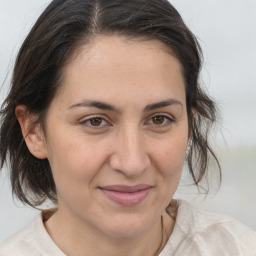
{"x":127,"y":195}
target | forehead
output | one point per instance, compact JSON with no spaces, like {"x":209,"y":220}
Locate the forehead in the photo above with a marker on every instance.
{"x":108,"y":51}
{"x":119,"y":67}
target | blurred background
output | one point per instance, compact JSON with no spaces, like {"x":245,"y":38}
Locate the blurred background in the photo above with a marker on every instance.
{"x":227,"y":33}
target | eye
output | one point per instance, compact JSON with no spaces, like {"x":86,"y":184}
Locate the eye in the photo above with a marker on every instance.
{"x":95,"y":122}
{"x":160,"y":120}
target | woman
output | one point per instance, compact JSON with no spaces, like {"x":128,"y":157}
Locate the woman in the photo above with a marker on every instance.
{"x":103,"y":110}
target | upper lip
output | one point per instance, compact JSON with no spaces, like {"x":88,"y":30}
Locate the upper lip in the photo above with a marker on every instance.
{"x":126,"y":189}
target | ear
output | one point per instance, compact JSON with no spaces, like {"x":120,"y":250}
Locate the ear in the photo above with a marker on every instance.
{"x":32,"y":134}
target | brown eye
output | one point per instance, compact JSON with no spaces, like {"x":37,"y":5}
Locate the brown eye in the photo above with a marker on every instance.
{"x":95,"y":121}
{"x":158,"y":119}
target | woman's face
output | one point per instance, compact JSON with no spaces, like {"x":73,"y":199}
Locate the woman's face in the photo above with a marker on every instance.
{"x":116,"y":135}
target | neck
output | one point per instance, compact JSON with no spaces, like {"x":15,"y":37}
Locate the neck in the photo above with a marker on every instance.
{"x":75,"y":238}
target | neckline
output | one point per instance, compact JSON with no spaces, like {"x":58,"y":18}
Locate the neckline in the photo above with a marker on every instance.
{"x":167,"y":245}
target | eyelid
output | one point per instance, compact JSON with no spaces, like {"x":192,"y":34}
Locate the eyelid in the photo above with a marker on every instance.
{"x":86,"y":119}
{"x":169,"y":117}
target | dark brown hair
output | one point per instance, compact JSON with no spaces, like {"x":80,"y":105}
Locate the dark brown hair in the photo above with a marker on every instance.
{"x":59,"y":31}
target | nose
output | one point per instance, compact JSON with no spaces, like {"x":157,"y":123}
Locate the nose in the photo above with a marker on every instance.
{"x":129,"y":154}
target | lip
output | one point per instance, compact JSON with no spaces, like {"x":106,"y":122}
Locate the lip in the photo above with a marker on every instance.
{"x":127,"y":195}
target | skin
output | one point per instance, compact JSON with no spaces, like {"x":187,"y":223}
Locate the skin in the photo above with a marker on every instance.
{"x":132,"y":144}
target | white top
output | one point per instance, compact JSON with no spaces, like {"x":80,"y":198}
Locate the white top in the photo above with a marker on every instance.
{"x":195,"y":233}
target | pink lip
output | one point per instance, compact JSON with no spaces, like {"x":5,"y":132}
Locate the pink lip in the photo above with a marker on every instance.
{"x":127,"y":195}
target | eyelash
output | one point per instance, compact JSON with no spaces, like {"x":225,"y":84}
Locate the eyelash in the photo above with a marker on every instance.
{"x":87,"y":122}
{"x":167,"y":120}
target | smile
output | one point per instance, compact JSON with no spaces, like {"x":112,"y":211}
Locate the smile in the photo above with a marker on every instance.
{"x":127,"y":195}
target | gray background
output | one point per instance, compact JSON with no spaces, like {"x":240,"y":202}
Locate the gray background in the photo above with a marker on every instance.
{"x":227,"y":32}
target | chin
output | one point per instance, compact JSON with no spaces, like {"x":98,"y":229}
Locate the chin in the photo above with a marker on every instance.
{"x":128,"y":226}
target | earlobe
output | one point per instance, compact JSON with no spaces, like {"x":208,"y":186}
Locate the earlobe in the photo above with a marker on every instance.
{"x":32,"y":134}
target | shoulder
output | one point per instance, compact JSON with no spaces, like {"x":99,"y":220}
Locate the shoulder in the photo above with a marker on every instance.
{"x":204,"y":233}
{"x":32,"y":240}
{"x":18,"y":244}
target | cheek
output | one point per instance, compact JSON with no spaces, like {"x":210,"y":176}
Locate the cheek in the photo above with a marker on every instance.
{"x":168,"y":162}
{"x":74,"y":161}
{"x":74,"y":166}
{"x":170,"y":157}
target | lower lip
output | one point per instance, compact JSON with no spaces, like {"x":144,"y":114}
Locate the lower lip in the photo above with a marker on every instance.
{"x":127,"y":199}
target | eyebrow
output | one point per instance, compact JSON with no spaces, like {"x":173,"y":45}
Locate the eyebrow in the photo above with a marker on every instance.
{"x":96,"y":104}
{"x":162,"y":104}
{"x":109,"y":107}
